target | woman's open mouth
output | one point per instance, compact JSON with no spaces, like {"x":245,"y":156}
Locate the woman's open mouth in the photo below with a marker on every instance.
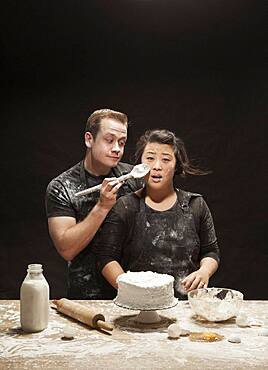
{"x":156,"y":178}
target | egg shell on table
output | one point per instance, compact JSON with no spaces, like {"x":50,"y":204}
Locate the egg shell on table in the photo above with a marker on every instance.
{"x":263,"y":332}
{"x":68,"y":332}
{"x":234,"y":339}
{"x":242,"y":320}
{"x":174,"y":331}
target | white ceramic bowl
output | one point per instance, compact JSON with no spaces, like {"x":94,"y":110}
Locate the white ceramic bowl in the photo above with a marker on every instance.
{"x":215,"y":304}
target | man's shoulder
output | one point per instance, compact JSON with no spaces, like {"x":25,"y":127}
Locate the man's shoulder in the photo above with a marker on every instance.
{"x":68,"y":181}
{"x":72,"y":174}
{"x":122,"y":168}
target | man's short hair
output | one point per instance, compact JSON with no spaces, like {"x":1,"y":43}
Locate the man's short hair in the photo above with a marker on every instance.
{"x":94,"y":120}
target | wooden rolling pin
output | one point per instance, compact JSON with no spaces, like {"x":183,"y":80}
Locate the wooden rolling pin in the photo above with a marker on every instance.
{"x":81,"y":313}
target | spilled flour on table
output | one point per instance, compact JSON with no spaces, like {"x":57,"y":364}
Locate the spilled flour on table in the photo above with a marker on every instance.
{"x":153,"y":345}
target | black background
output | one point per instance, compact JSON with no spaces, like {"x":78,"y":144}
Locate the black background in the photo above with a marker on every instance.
{"x":194,"y":67}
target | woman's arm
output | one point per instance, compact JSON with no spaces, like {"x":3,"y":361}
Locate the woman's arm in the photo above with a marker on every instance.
{"x":111,"y":271}
{"x":200,"y":277}
{"x":207,"y":234}
{"x":209,"y":250}
{"x":110,"y":243}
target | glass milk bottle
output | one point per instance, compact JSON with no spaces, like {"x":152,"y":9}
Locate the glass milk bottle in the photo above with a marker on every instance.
{"x":34,"y":300}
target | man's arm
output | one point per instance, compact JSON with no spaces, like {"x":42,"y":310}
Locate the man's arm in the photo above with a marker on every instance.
{"x":69,"y":237}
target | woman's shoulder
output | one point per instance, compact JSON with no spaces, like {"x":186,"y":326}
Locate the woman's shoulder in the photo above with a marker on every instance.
{"x":188,"y":196}
{"x":195,"y":201}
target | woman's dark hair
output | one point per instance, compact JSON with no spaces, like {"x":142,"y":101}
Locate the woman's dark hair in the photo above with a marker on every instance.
{"x":183,"y":164}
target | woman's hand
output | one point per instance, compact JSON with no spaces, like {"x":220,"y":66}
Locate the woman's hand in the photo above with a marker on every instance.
{"x":200,"y":277}
{"x":197,"y":279}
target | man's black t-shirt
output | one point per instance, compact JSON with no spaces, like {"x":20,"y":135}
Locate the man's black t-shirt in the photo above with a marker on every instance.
{"x":84,"y":282}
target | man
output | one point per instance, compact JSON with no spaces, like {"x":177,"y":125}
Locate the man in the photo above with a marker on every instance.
{"x":72,"y":220}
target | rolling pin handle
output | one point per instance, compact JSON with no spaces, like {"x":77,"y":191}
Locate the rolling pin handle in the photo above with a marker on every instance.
{"x":104,"y":325}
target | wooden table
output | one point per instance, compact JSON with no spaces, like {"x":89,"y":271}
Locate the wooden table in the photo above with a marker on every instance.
{"x":131,"y":345}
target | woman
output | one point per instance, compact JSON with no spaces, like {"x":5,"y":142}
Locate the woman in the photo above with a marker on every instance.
{"x":160,"y":228}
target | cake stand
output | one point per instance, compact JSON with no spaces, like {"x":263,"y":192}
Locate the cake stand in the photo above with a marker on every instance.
{"x":147,"y":315}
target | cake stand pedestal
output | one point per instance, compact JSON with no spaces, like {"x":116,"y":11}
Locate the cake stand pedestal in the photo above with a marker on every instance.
{"x":148,"y":315}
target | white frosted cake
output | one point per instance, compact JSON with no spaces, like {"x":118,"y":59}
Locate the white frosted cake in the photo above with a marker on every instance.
{"x":145,"y":290}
